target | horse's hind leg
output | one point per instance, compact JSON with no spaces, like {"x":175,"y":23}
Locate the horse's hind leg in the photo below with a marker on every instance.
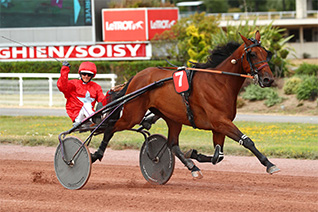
{"x":108,"y":134}
{"x":173,"y":139}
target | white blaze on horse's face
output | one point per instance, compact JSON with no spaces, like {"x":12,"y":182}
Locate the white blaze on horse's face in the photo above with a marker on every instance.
{"x":255,"y":60}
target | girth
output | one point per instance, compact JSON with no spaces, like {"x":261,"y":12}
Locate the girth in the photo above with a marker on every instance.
{"x":186,"y":94}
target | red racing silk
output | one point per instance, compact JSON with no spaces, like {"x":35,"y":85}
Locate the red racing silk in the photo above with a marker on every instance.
{"x":77,"y":93}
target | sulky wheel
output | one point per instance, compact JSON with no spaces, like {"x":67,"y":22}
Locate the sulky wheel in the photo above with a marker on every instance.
{"x":156,"y":160}
{"x":72,"y":174}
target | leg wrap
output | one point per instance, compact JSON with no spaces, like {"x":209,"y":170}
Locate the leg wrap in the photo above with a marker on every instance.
{"x":187,"y":162}
{"x":246,"y":142}
{"x":216,"y":158}
{"x":193,"y":154}
{"x":249,"y":144}
{"x":203,"y":158}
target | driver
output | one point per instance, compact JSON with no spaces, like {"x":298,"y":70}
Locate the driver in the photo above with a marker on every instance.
{"x":81,"y":94}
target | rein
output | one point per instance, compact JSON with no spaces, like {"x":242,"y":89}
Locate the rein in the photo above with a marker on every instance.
{"x":212,"y":71}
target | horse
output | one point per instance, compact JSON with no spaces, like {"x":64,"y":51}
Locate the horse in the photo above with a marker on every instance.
{"x":213,"y":101}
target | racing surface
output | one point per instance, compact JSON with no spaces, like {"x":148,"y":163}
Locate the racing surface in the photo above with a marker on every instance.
{"x":28,"y":183}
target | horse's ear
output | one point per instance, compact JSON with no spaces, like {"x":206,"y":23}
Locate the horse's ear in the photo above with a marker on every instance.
{"x":257,"y":36}
{"x":246,"y":41}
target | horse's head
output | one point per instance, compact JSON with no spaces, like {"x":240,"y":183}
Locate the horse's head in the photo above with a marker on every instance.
{"x":255,"y":60}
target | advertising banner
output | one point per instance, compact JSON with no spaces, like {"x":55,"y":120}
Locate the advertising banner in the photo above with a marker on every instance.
{"x":160,"y":20}
{"x":139,"y":24}
{"x":124,"y":25}
{"x":115,"y":51}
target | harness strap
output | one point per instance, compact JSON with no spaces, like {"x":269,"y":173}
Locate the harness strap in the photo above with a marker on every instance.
{"x":186,"y":94}
{"x":190,"y":74}
{"x":185,"y":98}
{"x":262,"y":66}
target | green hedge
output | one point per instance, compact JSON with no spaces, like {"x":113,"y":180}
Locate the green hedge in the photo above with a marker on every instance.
{"x":304,"y":86}
{"x":255,"y":93}
{"x":307,"y":69}
{"x":124,"y":69}
{"x":308,"y":88}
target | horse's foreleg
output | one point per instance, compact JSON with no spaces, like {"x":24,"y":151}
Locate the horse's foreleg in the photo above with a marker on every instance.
{"x":218,"y":141}
{"x":249,"y":144}
{"x":173,"y":139}
{"x":234,"y":133}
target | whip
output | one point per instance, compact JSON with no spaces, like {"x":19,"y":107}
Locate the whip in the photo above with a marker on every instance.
{"x":9,"y":39}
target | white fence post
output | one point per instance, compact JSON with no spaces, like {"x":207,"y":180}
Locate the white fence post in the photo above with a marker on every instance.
{"x":50,"y":91}
{"x":113,"y":82}
{"x":21,"y":91}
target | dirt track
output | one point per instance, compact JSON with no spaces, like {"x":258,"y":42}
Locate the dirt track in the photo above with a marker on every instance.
{"x":28,"y":183}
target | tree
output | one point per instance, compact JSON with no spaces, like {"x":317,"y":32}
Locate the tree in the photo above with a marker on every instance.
{"x":206,"y":27}
{"x":216,"y":6}
{"x":253,"y":6}
{"x":197,"y":44}
{"x":281,"y":5}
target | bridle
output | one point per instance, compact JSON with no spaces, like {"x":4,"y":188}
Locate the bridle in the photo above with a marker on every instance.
{"x":247,"y":52}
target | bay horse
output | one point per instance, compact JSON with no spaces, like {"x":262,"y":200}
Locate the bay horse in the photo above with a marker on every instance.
{"x":213,"y":101}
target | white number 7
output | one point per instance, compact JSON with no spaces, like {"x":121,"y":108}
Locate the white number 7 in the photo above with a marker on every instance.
{"x":180,"y":75}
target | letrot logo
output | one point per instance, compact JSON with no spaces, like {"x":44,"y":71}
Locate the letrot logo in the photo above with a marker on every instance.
{"x":162,"y":24}
{"x":123,"y":25}
{"x":140,"y":24}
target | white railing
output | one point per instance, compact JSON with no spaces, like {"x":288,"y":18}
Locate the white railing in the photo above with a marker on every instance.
{"x":50,"y":78}
{"x":252,"y":15}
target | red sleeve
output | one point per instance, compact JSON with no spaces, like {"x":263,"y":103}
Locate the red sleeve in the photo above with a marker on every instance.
{"x":108,"y":97}
{"x":100,"y":96}
{"x":62,"y":82}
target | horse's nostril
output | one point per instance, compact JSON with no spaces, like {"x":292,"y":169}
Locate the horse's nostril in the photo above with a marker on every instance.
{"x":267,"y":81}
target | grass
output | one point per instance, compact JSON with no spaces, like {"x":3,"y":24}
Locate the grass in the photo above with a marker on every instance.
{"x":284,"y":140}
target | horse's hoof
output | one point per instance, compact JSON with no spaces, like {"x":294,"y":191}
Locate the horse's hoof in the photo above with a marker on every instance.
{"x":98,"y":155}
{"x":196,"y":173}
{"x":191,"y":154}
{"x":272,"y":169}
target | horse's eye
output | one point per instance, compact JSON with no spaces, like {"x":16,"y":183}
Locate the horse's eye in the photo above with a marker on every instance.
{"x":253,"y":54}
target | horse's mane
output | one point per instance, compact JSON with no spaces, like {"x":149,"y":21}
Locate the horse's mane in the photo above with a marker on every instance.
{"x":218,"y":55}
